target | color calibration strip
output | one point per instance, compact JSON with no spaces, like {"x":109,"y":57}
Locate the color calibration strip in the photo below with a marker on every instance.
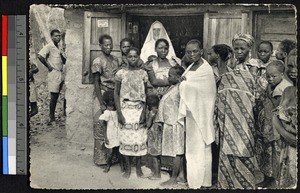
{"x":4,"y":94}
{"x":14,"y":95}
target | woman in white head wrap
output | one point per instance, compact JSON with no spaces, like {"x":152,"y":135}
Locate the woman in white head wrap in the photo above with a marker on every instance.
{"x":156,"y":32}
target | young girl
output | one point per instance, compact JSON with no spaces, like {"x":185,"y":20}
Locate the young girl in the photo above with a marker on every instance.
{"x":154,"y":136}
{"x":271,"y":143}
{"x":130,"y":98}
{"x":173,"y":132}
{"x":286,"y":123}
{"x":111,"y":130}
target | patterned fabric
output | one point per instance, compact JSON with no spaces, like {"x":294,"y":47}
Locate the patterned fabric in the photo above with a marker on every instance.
{"x":235,"y":102}
{"x":173,"y":133}
{"x":99,"y":140}
{"x":154,"y":141}
{"x":106,"y":66}
{"x":112,"y":130}
{"x":160,"y":73}
{"x":133,"y":137}
{"x":236,"y":172}
{"x":132,"y":84}
{"x":247,"y":64}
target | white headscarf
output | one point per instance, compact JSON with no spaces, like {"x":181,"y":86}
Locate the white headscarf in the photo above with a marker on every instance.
{"x":149,"y":44}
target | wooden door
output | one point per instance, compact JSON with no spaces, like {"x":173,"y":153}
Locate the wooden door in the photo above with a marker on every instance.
{"x":219,"y":28}
{"x":274,"y":27}
{"x":96,"y":24}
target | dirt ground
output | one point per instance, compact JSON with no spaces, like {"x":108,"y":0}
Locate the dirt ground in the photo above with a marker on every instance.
{"x":56,"y":164}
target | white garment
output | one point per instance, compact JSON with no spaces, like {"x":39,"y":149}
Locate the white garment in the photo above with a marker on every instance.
{"x":198,"y":95}
{"x":149,"y":44}
{"x":112,"y":131}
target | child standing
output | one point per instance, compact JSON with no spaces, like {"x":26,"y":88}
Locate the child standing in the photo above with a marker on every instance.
{"x":130,"y":98}
{"x":154,"y":136}
{"x":270,"y":99}
{"x":33,"y":69}
{"x":173,"y":132}
{"x":111,"y":130}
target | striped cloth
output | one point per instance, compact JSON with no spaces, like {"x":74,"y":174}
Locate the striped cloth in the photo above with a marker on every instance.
{"x":235,"y":120}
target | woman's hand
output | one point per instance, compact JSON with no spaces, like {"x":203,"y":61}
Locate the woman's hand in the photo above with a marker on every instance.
{"x":121,"y":118}
{"x":182,"y":78}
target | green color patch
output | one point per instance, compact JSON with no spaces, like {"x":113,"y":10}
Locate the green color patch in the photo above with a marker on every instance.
{"x":4,"y":116}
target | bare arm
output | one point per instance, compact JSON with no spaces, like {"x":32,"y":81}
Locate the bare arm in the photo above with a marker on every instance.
{"x":290,"y":138}
{"x":44,"y":61}
{"x":97,"y":86}
{"x":117,"y":102}
{"x":152,"y":78}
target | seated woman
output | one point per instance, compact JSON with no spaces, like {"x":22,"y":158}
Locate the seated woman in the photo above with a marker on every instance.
{"x":285,"y":121}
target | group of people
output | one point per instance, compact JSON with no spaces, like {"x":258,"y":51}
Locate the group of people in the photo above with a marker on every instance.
{"x":151,"y":102}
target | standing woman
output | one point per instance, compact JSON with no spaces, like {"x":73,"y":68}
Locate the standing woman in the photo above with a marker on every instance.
{"x":286,"y":123}
{"x":159,"y":67}
{"x":235,"y":121}
{"x":130,"y":100}
{"x":242,"y":44}
{"x":102,"y":68}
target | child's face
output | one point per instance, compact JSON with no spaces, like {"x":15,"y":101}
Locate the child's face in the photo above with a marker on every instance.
{"x":273,"y":76}
{"x":125,"y":47}
{"x":292,"y":71}
{"x":280,"y":54}
{"x":133,"y":58}
{"x":173,"y":77}
{"x":264,"y":52}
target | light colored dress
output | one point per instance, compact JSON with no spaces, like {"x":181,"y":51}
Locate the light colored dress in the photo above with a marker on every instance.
{"x":173,"y":132}
{"x":112,"y":131}
{"x":133,"y":137}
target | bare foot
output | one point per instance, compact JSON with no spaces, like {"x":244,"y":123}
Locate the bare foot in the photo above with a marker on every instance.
{"x":169,"y":182}
{"x":106,"y":169}
{"x":126,"y":175}
{"x":181,"y":180}
{"x":140,"y":174}
{"x":154,"y":177}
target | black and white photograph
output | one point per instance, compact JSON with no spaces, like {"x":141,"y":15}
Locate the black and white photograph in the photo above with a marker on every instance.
{"x":162,"y":96}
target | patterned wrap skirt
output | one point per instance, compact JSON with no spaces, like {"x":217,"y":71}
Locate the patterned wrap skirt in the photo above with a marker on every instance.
{"x":133,"y":136}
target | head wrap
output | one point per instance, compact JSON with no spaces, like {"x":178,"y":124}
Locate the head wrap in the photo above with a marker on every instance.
{"x":245,"y":37}
{"x":149,"y":44}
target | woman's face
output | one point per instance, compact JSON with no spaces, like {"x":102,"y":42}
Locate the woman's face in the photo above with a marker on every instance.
{"x":133,"y":58}
{"x":193,"y":52}
{"x":241,"y":50}
{"x":156,"y":33}
{"x":125,"y":47}
{"x":292,"y":70}
{"x":280,"y":54}
{"x":212,"y":57}
{"x":162,"y":50}
{"x":106,"y":46}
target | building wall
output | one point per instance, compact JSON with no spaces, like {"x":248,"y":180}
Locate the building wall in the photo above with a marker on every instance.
{"x":79,"y":122}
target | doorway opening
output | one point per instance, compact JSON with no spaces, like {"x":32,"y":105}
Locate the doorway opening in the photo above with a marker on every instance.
{"x":180,"y":29}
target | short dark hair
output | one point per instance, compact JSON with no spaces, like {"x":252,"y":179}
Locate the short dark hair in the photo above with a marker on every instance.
{"x":152,"y":100}
{"x":278,"y":64}
{"x":178,"y":69}
{"x":135,"y":49}
{"x":288,"y":45}
{"x":54,"y":31}
{"x":108,"y":96}
{"x":162,"y":40}
{"x":104,"y":36}
{"x":195,"y":41}
{"x":223,"y":50}
{"x":266,"y":42}
{"x":126,"y":40}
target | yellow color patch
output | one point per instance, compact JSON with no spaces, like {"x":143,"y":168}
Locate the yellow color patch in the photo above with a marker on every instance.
{"x":4,"y":75}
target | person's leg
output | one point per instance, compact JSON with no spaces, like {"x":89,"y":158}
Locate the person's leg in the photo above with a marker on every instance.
{"x":64,"y":107}
{"x":182,"y":171}
{"x":175,"y":171}
{"x":121,"y":160}
{"x":156,"y":168}
{"x":109,"y":158}
{"x":139,"y":172}
{"x":53,"y":102}
{"x":34,"y":109}
{"x":128,"y":167}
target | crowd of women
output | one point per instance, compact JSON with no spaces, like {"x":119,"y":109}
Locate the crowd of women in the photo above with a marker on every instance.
{"x":152,"y":102}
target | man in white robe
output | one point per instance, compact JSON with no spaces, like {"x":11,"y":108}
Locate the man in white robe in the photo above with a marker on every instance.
{"x":198,"y":95}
